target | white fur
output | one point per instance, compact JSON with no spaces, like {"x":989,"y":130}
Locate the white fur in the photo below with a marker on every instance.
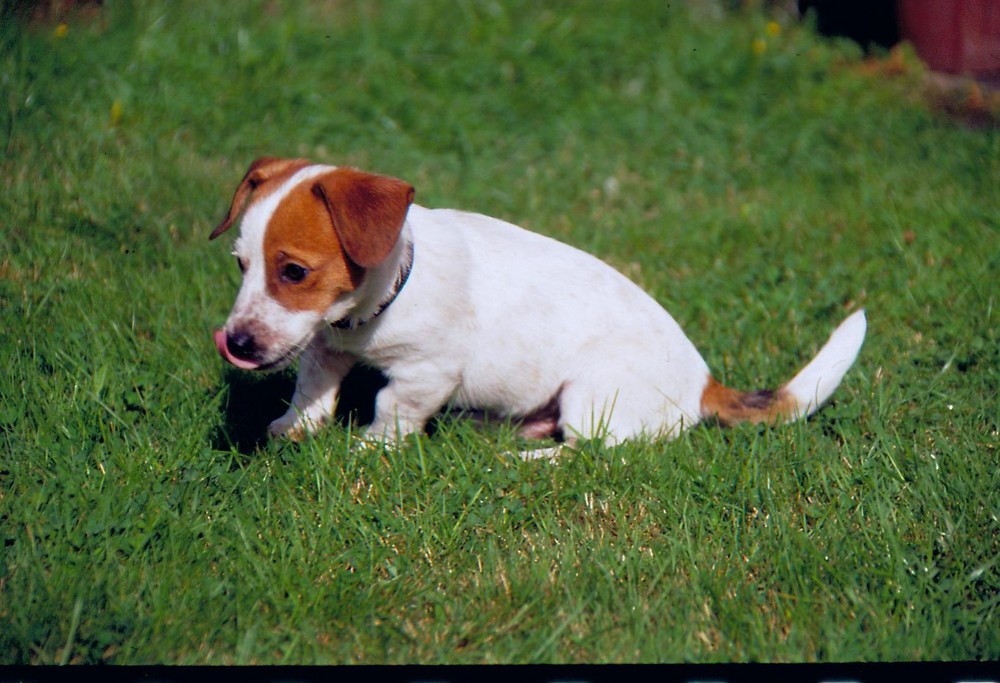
{"x":497,"y":318}
{"x":817,"y":380}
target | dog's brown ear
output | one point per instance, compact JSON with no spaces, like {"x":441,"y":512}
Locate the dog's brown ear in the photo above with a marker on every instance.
{"x":367,"y":210}
{"x":260,"y":171}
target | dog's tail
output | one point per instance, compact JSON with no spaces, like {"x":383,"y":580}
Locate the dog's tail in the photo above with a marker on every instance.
{"x":797,"y":398}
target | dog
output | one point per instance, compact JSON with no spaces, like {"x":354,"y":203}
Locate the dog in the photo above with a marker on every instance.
{"x":459,"y":309}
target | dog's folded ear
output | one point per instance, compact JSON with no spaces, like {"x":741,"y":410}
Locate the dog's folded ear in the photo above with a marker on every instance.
{"x":367,"y":211}
{"x":260,"y":171}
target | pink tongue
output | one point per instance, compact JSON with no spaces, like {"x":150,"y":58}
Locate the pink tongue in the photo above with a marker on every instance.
{"x":220,"y":344}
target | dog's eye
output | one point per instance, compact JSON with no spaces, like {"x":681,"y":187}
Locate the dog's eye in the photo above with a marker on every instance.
{"x":242,"y":265}
{"x":293,"y":272}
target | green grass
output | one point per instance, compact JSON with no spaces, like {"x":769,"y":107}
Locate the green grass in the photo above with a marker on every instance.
{"x":144,"y":519}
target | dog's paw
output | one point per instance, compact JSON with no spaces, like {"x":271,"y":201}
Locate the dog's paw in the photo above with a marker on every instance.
{"x":365,"y":442}
{"x":550,"y":454}
{"x":290,"y":426}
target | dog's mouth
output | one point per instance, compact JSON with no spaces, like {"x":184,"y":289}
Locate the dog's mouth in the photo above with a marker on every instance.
{"x":222,"y":344}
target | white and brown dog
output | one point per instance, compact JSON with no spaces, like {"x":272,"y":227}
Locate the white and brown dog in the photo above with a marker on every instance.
{"x":459,"y":309}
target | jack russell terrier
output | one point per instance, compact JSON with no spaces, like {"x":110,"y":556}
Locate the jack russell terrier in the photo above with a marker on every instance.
{"x":460,"y":309}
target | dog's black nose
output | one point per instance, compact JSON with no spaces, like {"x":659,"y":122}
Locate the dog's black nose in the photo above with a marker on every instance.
{"x":242,"y":345}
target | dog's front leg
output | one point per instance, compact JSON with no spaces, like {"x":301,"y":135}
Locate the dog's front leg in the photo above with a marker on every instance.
{"x":405,"y":404}
{"x":321,"y":370}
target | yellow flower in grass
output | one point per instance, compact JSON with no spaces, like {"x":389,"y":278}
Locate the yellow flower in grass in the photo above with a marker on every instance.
{"x":61,"y":30}
{"x":116,"y":112}
{"x":759,"y":45}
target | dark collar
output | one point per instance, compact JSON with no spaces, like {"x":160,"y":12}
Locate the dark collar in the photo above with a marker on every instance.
{"x":349,"y":323}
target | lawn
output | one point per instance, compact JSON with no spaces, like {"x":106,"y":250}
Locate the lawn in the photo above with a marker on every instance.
{"x":759,"y":180}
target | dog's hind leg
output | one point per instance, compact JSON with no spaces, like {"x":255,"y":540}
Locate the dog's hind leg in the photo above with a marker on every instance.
{"x":588,"y":411}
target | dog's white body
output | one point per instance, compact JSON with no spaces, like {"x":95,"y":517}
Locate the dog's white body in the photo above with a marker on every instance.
{"x":491,"y":317}
{"x":497,"y":318}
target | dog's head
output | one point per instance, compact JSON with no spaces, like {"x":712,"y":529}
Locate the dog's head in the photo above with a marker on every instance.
{"x":309,"y":234}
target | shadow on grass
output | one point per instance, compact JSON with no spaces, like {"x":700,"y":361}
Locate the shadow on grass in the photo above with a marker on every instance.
{"x":255,"y":400}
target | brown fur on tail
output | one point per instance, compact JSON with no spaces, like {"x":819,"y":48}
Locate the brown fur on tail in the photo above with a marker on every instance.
{"x":729,"y":406}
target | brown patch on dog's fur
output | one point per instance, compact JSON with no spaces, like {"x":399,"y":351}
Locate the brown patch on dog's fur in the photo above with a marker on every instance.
{"x":264,"y":176}
{"x":367,"y":211}
{"x":301,"y":232}
{"x":334,"y":226}
{"x":729,"y":406}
